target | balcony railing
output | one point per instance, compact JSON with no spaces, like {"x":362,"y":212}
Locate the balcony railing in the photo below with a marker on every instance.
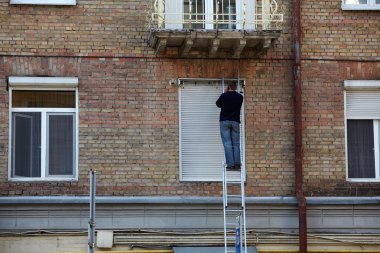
{"x":216,"y":14}
{"x":214,"y":28}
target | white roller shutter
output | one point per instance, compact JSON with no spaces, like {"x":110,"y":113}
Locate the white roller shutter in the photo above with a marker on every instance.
{"x":362,"y":104}
{"x":201,"y":148}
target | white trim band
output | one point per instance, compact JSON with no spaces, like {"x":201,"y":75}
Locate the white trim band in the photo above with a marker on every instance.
{"x":43,"y":82}
{"x":361,"y":84}
{"x":45,"y":2}
{"x":360,"y":7}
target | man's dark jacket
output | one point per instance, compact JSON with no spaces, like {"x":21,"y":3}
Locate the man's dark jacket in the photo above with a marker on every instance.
{"x":230,"y":103}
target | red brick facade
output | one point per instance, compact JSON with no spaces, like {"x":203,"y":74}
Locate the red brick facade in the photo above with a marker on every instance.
{"x":128,"y":114}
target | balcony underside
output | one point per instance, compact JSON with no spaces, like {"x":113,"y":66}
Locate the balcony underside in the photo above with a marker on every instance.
{"x":212,"y":43}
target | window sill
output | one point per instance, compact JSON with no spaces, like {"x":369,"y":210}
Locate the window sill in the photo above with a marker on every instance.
{"x":44,"y":2}
{"x":55,"y":179}
{"x":363,"y":180}
{"x":352,"y":7}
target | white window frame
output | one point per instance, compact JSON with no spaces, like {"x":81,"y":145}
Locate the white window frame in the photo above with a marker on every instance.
{"x":44,"y":2}
{"x":371,"y":5}
{"x":217,"y":178}
{"x":209,"y":10}
{"x":359,"y":86}
{"x":44,"y":84}
{"x":173,"y":21}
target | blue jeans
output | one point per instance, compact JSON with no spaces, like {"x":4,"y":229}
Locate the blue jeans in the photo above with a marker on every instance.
{"x":230,"y":133}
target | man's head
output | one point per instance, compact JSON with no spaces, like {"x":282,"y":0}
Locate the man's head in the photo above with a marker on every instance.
{"x":232,"y":86}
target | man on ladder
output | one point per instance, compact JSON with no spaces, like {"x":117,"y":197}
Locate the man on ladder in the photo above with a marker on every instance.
{"x":230,"y":103}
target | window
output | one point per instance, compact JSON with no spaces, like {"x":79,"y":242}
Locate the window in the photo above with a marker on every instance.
{"x":45,"y":2}
{"x":209,"y":14}
{"x":362,"y":109}
{"x":201,"y":148}
{"x":361,"y":4}
{"x":43,"y":128}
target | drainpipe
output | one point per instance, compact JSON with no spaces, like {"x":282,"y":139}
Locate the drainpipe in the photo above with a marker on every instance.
{"x":296,"y":27}
{"x":91,"y":222}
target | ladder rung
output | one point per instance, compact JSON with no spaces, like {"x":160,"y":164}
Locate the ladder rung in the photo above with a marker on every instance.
{"x":234,"y":238}
{"x":234,"y":210}
{"x":234,"y":207}
{"x":233,"y":196}
{"x":233,"y":181}
{"x":235,"y":203}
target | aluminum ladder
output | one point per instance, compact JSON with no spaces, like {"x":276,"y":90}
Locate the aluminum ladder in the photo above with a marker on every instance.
{"x":235,"y":233}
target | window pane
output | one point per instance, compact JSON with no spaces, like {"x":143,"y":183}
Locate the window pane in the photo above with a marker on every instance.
{"x":225,"y":12}
{"x":52,"y":99}
{"x":194,"y":14}
{"x":61,"y":144}
{"x":26,"y":144}
{"x":360,"y":141}
{"x":377,"y":1}
{"x":356,"y":1}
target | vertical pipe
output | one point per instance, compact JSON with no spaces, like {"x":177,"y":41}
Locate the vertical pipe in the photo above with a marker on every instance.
{"x":91,"y":222}
{"x":296,"y":27}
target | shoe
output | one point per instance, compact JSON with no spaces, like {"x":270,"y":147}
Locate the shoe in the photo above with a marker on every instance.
{"x":237,"y":167}
{"x":230,"y":168}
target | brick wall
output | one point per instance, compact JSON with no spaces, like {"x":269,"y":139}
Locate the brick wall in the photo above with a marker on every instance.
{"x":119,"y":28}
{"x":332,"y":33}
{"x":323,"y":123}
{"x":92,"y":28}
{"x":337,"y":45}
{"x":89,"y":28}
{"x":129,"y":115}
{"x":128,"y":129}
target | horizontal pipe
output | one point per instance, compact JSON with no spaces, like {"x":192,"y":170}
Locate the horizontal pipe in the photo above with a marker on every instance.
{"x":185,"y":200}
{"x":137,"y":200}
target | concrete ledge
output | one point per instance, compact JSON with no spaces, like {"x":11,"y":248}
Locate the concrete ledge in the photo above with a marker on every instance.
{"x":325,"y":214}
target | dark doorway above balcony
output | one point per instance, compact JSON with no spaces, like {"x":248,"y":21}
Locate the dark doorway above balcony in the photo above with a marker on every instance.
{"x":212,"y":43}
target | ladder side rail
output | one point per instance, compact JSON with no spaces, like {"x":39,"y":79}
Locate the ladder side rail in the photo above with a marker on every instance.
{"x":244,"y":231}
{"x":241,"y":214}
{"x":224,"y":206}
